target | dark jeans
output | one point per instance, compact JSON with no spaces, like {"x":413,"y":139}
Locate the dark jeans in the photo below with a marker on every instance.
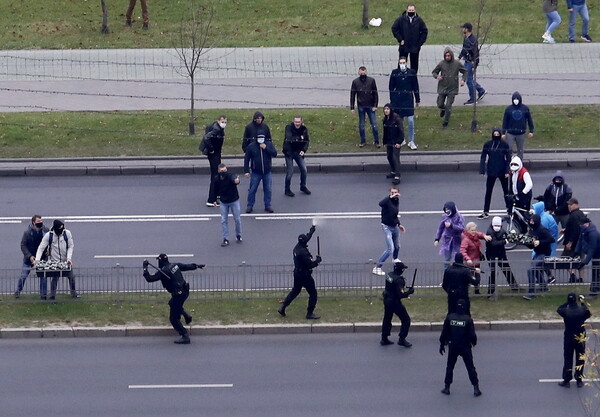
{"x":393,"y":157}
{"x":25,"y":270}
{"x":445,"y":102}
{"x":361,"y":124}
{"x":467,"y":355}
{"x":413,"y":56}
{"x":289,"y":169}
{"x":54,"y":283}
{"x":489,"y":187}
{"x":214,"y":160}
{"x":144,"y":10}
{"x":392,"y":307}
{"x":535,"y":274}
{"x":503,"y":266}
{"x":572,"y":346}
{"x":303,"y":280}
{"x":178,"y":297}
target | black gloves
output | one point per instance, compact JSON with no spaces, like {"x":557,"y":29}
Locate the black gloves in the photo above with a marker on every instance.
{"x":318,"y":259}
{"x":312,"y":228}
{"x":199,"y":266}
{"x":145,"y":264}
{"x":410,"y":291}
{"x":442,"y":349}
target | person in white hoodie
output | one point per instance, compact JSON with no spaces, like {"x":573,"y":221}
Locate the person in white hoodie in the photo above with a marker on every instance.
{"x":521,"y":184}
{"x":58,"y":244}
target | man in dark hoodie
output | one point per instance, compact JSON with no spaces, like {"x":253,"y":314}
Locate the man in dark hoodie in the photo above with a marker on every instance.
{"x":542,"y":246}
{"x":497,"y":154}
{"x":364,"y":92}
{"x":254,"y":129}
{"x":213,"y":143}
{"x":410,"y":31}
{"x":404,"y":93}
{"x":393,"y":136}
{"x":447,"y":72}
{"x":295,"y":146}
{"x":589,"y":247}
{"x":574,"y":316}
{"x":32,"y":237}
{"x":555,"y":199}
{"x":517,"y":118}
{"x":572,"y":235}
{"x":258,"y":159}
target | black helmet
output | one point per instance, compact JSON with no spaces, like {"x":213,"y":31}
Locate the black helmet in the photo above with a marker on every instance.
{"x":571,"y":298}
{"x":303,"y":238}
{"x":399,"y":267}
{"x":163,"y":260}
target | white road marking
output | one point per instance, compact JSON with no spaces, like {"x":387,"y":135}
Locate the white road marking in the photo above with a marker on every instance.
{"x":192,"y":219}
{"x":153,"y":256}
{"x":180,"y":386}
{"x":560,"y":379}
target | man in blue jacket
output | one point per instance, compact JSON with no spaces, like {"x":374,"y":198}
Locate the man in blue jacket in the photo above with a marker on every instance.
{"x":257,"y":167}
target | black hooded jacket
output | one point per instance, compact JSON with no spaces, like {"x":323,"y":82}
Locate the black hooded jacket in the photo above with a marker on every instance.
{"x":389,"y":211}
{"x":517,"y":117}
{"x":253,"y":130}
{"x":214,"y":139}
{"x":497,"y":153}
{"x":542,"y":234}
{"x":495,"y":247}
{"x":393,"y":130}
{"x":412,"y":31}
{"x":574,"y":315}
{"x":557,"y":194}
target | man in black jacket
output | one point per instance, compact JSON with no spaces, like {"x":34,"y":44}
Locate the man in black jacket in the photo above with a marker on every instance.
{"x":303,"y":266}
{"x":392,"y":302}
{"x":213,"y":144}
{"x":541,"y":247}
{"x":555,"y":199}
{"x":258,"y":159}
{"x":404,"y":96}
{"x":32,"y":237}
{"x":226,"y":186}
{"x":410,"y":31}
{"x":393,"y":136}
{"x":170,"y":276}
{"x":470,"y":53}
{"x":494,"y":161}
{"x":390,"y":224}
{"x":456,"y":281}
{"x":589,"y":247}
{"x":364,"y":92}
{"x":574,"y":315}
{"x":572,"y":234}
{"x":295,"y":146}
{"x":459,"y":334}
{"x":254,"y":129}
{"x":495,"y":253}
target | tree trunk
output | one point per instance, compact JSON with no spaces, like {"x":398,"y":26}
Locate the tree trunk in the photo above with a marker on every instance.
{"x":191,"y":125}
{"x":365,"y":14}
{"x":104,"y":29}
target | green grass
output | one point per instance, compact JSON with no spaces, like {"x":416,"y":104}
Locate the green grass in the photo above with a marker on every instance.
{"x":71,"y":134}
{"x":430,"y":309}
{"x":64,"y":24}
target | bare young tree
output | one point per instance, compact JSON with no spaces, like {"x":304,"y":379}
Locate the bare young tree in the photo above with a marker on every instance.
{"x":193,"y":44}
{"x":104,"y":28}
{"x":365,"y":14}
{"x":483,"y":27}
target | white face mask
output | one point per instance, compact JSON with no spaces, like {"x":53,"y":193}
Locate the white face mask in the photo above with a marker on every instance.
{"x":516,"y":102}
{"x":496,"y":228}
{"x":223,"y":125}
{"x":402,"y":67}
{"x":260,"y":140}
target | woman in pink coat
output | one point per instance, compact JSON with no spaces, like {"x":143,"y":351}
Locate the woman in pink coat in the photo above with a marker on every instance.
{"x":470,"y":247}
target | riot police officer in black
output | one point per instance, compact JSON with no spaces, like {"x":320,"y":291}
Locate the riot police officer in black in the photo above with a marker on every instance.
{"x":303,"y":266}
{"x":574,"y":315}
{"x":171,"y":278}
{"x":459,"y":334}
{"x":457,"y":278}
{"x":392,"y":302}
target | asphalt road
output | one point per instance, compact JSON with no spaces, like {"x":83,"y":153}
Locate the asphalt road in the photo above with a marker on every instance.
{"x":292,"y":375}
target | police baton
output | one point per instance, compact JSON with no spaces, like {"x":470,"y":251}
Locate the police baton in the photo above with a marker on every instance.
{"x":159,"y":270}
{"x":414,"y":277}
{"x":318,"y":246}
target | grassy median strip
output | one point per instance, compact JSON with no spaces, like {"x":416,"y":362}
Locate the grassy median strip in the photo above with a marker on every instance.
{"x":65,"y":24}
{"x":157,"y":133}
{"x":227,"y":312}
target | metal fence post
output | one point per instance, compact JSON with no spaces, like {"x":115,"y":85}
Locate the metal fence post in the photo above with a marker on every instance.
{"x":370,"y":283}
{"x":118,"y":284}
{"x":244,"y":298}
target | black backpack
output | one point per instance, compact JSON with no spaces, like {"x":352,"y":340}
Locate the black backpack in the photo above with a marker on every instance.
{"x":203,"y":147}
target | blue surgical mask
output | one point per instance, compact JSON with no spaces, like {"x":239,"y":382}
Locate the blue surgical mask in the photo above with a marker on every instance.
{"x":260,"y":140}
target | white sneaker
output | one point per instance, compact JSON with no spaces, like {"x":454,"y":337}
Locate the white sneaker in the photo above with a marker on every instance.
{"x":412,"y":145}
{"x":397,"y":260}
{"x":378,"y":271}
{"x":546,"y":36}
{"x":403,"y":142}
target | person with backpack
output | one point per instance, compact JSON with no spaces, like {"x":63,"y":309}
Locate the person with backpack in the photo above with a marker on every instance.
{"x":58,"y":246}
{"x":211,"y":146}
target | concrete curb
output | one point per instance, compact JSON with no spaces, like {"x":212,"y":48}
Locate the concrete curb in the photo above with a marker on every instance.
{"x":264,"y":329}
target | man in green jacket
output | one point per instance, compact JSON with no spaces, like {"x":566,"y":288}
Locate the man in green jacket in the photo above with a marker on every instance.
{"x":446,"y":72}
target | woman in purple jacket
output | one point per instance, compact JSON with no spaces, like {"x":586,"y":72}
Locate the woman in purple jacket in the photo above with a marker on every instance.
{"x":449,"y":232}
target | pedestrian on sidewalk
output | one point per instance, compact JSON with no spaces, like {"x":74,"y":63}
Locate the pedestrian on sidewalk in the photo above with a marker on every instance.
{"x":211,"y":146}
{"x":392,"y":304}
{"x":550,"y":7}
{"x":257,"y":167}
{"x":541,"y":247}
{"x":129,"y":13}
{"x":447,"y":72}
{"x":494,"y":162}
{"x":364,"y":92}
{"x":578,"y":7}
{"x":410,"y":31}
{"x":574,"y":316}
{"x":257,"y":127}
{"x":495,"y":253}
{"x":449,"y":232}
{"x":404,"y":96}
{"x":470,"y":54}
{"x":295,"y":145}
{"x":303,"y":266}
{"x":589,"y":247}
{"x":226,"y":186}
{"x":32,"y":237}
{"x":572,"y":234}
{"x":393,"y":136}
{"x":390,"y":224}
{"x":517,"y":118}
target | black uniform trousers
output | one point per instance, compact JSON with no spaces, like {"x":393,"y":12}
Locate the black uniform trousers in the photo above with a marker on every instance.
{"x":303,"y":279}
{"x":572,"y":346}
{"x":392,"y":307}
{"x":505,"y":268}
{"x":178,"y":297}
{"x":393,"y":157}
{"x":214,"y":160}
{"x":453,"y":353}
{"x":489,"y":187}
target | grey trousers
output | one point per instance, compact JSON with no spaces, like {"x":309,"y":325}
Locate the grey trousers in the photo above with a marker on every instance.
{"x":520,"y":140}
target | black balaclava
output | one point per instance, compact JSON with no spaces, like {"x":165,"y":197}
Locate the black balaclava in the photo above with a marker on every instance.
{"x":496,"y":134}
{"x":459,"y":258}
{"x":303,"y":239}
{"x":163,"y":260}
{"x":58,"y":227}
{"x":535,"y":222}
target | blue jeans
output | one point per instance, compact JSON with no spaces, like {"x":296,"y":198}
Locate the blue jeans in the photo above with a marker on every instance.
{"x":361,"y":124}
{"x":471,"y":84}
{"x":581,"y":10}
{"x":535,"y":274}
{"x":392,"y":241}
{"x":411,"y":128}
{"x":554,"y":20}
{"x":289,"y":169}
{"x":25,"y":270}
{"x":235,"y":211}
{"x":267,"y":181}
